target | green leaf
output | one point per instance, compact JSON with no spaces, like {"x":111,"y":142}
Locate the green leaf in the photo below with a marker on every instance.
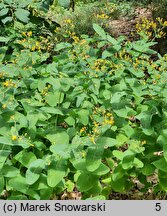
{"x":95,"y":86}
{"x":54,"y":98}
{"x":61,"y":150}
{"x":86,"y":181}
{"x":31,"y":177}
{"x":2,"y":5}
{"x":70,"y":121}
{"x":162,"y":140}
{"x":148,"y":169}
{"x":24,"y":3}
{"x":25,"y":158}
{"x":112,"y":40}
{"x":4,"y":11}
{"x":46,"y":194}
{"x":34,"y":171}
{"x":127,"y":162}
{"x":121,"y":139}
{"x":3,"y":52}
{"x":106,"y":141}
{"x":161,"y":164}
{"x":17,"y":197}
{"x":93,"y":157}
{"x":2,"y":184}
{"x":9,"y":2}
{"x":116,"y":97}
{"x":118,"y":185}
{"x":56,"y":173}
{"x":79,"y":164}
{"x":52,"y":110}
{"x":6,"y":141}
{"x":138,"y":163}
{"x":142,"y":46}
{"x":110,"y":162}
{"x":83,"y":116}
{"x":100,"y":197}
{"x":80,"y":99}
{"x":62,"y":45}
{"x":101,"y":170}
{"x":122,"y":112}
{"x":118,"y":154}
{"x":162,"y":176}
{"x":58,"y":138}
{"x":106,"y":54}
{"x":41,"y":84}
{"x":96,"y":189}
{"x":117,"y":173}
{"x":4,"y":39}
{"x":64,"y":3}
{"x":100,"y":31}
{"x":22,"y":15}
{"x":18,"y":183}
{"x":69,"y":185}
{"x":9,"y":171}
{"x":3,"y":156}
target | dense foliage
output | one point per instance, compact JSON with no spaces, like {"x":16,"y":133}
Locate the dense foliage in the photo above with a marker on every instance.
{"x":82,"y":113}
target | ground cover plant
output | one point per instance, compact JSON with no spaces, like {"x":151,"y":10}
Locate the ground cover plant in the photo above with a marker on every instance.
{"x":82,"y":114}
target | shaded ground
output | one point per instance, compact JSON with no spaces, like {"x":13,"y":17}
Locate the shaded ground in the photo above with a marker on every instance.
{"x":134,"y":194}
{"x":124,"y":26}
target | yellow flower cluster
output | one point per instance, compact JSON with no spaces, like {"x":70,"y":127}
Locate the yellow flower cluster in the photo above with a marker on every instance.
{"x":108,"y":119}
{"x":102,"y":16}
{"x":37,"y":46}
{"x":80,"y":49}
{"x":105,"y":118}
{"x":4,"y":106}
{"x":9,"y":83}
{"x":68,"y":21}
{"x":67,"y":28}
{"x":100,"y":66}
{"x":44,"y":91}
{"x":33,"y":44}
{"x":143,"y":142}
{"x":151,"y":28}
{"x":83,"y":130}
{"x":14,"y":137}
{"x":27,"y":34}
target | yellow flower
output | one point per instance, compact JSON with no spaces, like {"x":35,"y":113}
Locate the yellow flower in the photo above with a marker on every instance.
{"x":24,"y":33}
{"x":68,"y":21}
{"x":6,"y":83}
{"x":14,"y":137}
{"x":108,"y":121}
{"x":143,"y":142}
{"x":29,"y":33}
{"x":154,"y":25}
{"x":12,"y":117}
{"x":31,"y":145}
{"x":165,"y":23}
{"x":33,"y":48}
{"x":4,"y":106}
{"x":92,"y":139}
{"x":83,"y":129}
{"x":82,"y":42}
